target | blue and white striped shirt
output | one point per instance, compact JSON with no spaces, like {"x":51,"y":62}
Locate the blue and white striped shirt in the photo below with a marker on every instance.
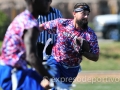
{"x":53,"y":14}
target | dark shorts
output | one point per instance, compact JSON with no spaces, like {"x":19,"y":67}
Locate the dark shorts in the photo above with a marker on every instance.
{"x":20,"y":79}
{"x":66,"y":75}
{"x":40,"y":48}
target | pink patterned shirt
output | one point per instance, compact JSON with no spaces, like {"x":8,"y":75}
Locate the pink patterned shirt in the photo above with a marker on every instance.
{"x":65,"y":50}
{"x":13,"y":48}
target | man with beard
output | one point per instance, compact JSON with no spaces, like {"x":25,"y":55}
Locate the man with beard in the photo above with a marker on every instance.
{"x":74,"y":40}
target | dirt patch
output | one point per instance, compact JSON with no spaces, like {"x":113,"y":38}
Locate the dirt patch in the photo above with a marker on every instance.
{"x":98,"y":76}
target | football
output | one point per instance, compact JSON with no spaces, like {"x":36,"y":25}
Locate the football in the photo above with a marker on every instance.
{"x":85,"y":46}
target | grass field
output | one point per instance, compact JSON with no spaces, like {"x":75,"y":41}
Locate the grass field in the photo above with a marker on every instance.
{"x":109,"y":58}
{"x":97,"y":86}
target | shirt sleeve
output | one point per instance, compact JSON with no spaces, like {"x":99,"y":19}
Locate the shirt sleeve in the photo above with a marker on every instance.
{"x":51,"y":26}
{"x":13,"y":44}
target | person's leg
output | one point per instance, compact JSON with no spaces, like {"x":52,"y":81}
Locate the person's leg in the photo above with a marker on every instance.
{"x":54,"y":69}
{"x":28,"y":80}
{"x":19,"y":79}
{"x":62,"y":76}
{"x":67,"y":76}
{"x":5,"y":77}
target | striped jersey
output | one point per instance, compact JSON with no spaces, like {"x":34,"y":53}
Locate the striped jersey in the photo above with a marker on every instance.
{"x":53,"y":14}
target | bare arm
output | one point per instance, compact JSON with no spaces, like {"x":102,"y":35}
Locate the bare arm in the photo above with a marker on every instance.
{"x":30,"y":38}
{"x":91,"y":56}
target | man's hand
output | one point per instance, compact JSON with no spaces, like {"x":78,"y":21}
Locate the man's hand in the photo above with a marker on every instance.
{"x":85,"y":47}
{"x":45,"y":84}
{"x":41,"y":28}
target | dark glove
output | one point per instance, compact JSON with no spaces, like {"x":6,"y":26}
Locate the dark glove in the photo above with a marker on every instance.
{"x":85,"y":46}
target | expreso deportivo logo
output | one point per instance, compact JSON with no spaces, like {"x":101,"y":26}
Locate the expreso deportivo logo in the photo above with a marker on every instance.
{"x":88,"y":79}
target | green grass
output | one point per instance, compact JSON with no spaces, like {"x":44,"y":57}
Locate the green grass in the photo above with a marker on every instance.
{"x":109,"y":58}
{"x":0,"y":43}
{"x":97,"y":86}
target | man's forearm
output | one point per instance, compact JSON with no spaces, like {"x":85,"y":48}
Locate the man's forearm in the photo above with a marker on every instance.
{"x":30,"y":38}
{"x":91,"y":56}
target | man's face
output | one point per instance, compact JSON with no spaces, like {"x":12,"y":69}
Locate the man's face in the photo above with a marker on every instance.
{"x":82,"y":19}
{"x":41,"y":6}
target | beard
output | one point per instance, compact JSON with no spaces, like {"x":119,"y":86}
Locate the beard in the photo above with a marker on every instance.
{"x":83,"y":23}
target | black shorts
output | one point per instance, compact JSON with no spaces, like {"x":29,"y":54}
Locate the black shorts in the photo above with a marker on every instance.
{"x":40,"y":48}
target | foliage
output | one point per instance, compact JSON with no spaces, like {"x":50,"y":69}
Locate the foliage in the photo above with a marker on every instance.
{"x":4,"y":22}
{"x":0,"y":44}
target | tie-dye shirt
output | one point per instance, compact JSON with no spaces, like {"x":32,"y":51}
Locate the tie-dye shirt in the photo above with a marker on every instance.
{"x":13,"y":48}
{"x":65,"y":50}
